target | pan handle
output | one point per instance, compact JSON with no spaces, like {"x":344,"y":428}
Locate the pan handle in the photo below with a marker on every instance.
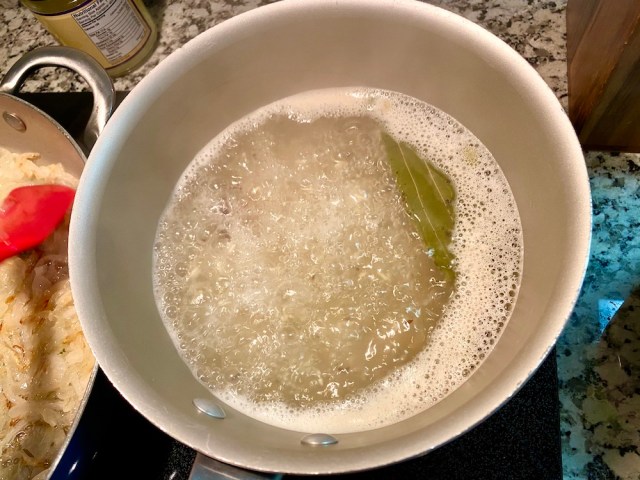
{"x":206,"y":468}
{"x":104,"y":94}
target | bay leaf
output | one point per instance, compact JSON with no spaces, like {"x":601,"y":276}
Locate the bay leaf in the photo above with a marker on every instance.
{"x":429,"y":198}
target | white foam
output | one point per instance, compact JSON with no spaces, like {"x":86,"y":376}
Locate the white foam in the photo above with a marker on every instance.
{"x":487,"y":243}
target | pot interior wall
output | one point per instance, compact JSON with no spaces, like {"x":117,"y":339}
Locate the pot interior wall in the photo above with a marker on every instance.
{"x":250,"y":62}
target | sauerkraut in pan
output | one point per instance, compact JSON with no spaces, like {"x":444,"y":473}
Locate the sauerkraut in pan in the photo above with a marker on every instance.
{"x":45,"y":362}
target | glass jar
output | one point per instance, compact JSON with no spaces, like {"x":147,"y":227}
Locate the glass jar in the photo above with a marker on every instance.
{"x":120,"y":34}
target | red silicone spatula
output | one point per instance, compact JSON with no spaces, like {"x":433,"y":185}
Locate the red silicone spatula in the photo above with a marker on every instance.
{"x":28,"y":215}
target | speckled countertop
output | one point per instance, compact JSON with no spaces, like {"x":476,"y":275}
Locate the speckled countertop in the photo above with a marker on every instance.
{"x":599,"y":353}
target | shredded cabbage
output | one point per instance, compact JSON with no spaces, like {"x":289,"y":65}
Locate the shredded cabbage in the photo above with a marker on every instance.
{"x":45,"y":362}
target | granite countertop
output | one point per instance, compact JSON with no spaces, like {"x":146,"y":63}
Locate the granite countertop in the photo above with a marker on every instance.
{"x":598,"y":354}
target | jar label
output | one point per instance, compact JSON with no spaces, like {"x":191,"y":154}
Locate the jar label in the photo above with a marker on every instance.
{"x":114,"y":27}
{"x":111,"y":31}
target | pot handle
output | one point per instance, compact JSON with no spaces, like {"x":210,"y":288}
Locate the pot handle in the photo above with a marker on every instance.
{"x":104,"y":94}
{"x":205,"y":468}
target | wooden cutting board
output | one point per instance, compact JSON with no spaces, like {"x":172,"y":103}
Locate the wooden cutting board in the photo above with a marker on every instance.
{"x":603,"y":58}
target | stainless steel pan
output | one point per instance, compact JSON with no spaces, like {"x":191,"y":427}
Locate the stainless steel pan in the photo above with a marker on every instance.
{"x":267,"y":54}
{"x":25,"y":128}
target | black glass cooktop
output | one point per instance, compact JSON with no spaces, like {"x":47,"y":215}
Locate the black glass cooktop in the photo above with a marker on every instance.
{"x":113,"y":441}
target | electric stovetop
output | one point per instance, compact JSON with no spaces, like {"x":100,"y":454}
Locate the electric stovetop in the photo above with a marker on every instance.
{"x":520,"y":441}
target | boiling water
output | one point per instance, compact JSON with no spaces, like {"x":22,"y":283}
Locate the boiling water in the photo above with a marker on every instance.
{"x":294,"y":282}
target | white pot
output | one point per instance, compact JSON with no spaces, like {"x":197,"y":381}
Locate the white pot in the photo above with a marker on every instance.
{"x":270,"y":53}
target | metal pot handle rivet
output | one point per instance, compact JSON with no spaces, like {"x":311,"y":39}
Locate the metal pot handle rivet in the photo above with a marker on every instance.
{"x":209,"y":407}
{"x":318,"y":440}
{"x":14,"y":121}
{"x":104,"y":95}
